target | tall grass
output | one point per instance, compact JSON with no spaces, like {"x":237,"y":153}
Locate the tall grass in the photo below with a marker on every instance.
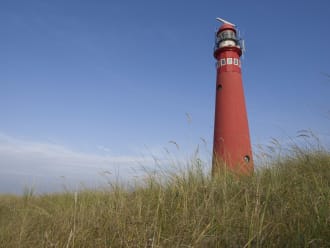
{"x":284,"y":204}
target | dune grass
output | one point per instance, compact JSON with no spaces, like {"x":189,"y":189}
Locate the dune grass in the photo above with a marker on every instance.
{"x":284,"y":204}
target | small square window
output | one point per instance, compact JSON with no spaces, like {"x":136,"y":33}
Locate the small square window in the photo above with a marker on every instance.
{"x":223,"y":61}
{"x":235,"y":61}
{"x":229,"y":61}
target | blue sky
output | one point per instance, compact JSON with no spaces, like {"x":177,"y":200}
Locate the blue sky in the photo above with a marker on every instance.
{"x":89,"y":86}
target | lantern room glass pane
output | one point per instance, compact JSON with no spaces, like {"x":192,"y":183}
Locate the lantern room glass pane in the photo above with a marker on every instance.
{"x":227,"y":34}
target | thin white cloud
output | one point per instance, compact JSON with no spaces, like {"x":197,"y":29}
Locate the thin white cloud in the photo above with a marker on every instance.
{"x":24,"y":162}
{"x":38,"y":150}
{"x":104,"y":149}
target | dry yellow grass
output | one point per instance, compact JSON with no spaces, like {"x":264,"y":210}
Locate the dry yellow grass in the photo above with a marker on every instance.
{"x":286,"y":204}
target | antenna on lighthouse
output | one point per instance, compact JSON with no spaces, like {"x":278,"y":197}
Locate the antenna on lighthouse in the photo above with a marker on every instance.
{"x":225,"y":22}
{"x":243,"y":46}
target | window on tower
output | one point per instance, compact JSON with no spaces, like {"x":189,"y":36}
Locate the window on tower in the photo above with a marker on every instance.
{"x":235,"y":61}
{"x":223,"y":62}
{"x":229,"y":61}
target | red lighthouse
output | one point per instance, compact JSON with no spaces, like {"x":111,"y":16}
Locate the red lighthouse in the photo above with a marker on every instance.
{"x":231,"y":144}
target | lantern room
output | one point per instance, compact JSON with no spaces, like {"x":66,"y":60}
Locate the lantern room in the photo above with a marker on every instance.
{"x":226,"y":37}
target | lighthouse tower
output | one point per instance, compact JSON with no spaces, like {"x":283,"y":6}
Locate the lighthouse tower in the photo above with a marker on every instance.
{"x":231,"y":144}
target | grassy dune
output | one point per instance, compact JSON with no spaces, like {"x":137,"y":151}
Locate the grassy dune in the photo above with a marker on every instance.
{"x":286,"y":204}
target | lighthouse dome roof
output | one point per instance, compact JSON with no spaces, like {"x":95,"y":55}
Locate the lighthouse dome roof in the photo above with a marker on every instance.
{"x":226,"y":26}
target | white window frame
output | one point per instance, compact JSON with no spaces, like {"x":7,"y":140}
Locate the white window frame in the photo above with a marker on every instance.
{"x":222,"y":62}
{"x":235,"y":61}
{"x":229,"y":61}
